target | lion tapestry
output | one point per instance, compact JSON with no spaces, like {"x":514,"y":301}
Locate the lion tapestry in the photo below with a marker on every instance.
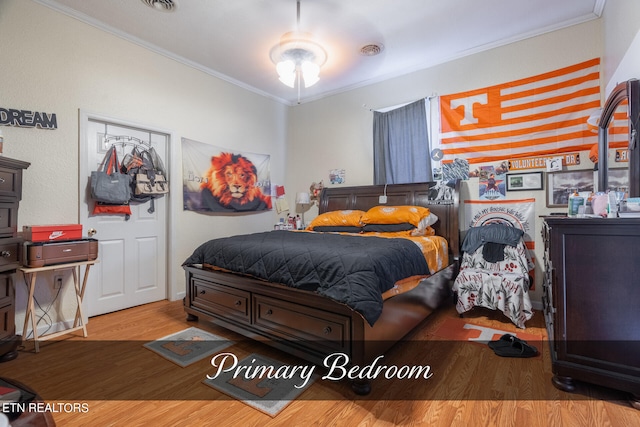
{"x":224,"y":180}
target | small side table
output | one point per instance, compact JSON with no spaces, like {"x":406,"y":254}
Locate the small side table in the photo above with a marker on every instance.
{"x":78,"y":322}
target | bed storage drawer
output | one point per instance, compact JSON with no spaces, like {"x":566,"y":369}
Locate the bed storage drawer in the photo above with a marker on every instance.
{"x":318,"y":330}
{"x":220,"y":299}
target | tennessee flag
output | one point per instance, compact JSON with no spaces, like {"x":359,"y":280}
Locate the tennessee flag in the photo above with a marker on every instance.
{"x":540,"y":115}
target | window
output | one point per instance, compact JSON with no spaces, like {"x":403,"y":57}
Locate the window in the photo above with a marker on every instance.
{"x":401,"y":145}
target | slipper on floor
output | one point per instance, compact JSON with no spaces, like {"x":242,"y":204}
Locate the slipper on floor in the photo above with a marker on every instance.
{"x":504,"y":340}
{"x":517,"y":348}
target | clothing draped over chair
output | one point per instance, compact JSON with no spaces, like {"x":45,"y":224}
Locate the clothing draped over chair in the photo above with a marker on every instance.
{"x":494,"y":272}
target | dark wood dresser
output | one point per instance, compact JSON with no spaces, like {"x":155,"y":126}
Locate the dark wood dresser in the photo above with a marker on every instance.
{"x":10,"y":252}
{"x":591,"y":299}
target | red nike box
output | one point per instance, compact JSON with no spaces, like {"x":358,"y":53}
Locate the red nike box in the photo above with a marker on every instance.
{"x":50,"y":233}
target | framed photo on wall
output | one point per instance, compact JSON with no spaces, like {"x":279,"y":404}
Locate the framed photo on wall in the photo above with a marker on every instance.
{"x":524,"y":181}
{"x":560,"y":184}
{"x":619,"y":179}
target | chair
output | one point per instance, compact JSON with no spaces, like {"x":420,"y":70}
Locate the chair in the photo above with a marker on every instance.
{"x":494,"y":272}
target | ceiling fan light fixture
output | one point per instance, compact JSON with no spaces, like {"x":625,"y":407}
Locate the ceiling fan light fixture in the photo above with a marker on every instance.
{"x":298,"y":57}
{"x":296,"y":54}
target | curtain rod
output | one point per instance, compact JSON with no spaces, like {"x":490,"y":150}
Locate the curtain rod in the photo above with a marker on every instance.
{"x":428,"y":98}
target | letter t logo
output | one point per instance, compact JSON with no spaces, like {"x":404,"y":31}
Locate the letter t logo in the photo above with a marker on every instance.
{"x":467,"y":103}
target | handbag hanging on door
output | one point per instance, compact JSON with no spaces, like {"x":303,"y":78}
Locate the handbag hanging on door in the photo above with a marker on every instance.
{"x":101,"y":208}
{"x":108,"y":185}
{"x":150,"y":179}
{"x":101,"y":189}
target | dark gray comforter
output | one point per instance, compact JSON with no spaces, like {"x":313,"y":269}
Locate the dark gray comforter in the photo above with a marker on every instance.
{"x":353,"y":270}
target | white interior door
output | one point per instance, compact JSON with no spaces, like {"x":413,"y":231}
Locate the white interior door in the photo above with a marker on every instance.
{"x":132,"y":253}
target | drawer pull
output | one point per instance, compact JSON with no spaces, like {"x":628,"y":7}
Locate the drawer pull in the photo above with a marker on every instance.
{"x":268,"y":312}
{"x":327,"y":330}
{"x":5,"y":254}
{"x":202,"y":292}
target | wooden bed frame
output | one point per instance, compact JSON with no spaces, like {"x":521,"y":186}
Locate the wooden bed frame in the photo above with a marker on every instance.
{"x":310,"y":326}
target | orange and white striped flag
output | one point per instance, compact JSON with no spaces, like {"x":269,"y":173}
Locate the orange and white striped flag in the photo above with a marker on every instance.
{"x":539,"y":115}
{"x":618,"y":129}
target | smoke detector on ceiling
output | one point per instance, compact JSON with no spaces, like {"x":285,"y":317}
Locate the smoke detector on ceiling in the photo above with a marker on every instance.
{"x":371,"y":49}
{"x":161,"y":5}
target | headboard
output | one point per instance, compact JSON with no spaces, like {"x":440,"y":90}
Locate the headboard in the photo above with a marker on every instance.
{"x":442,"y":199}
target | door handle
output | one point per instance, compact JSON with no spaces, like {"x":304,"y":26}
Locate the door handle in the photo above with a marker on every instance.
{"x":92,"y":231}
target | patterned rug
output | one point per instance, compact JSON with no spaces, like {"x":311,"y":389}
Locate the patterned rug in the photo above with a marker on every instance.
{"x":188,"y":346}
{"x":459,"y":330}
{"x":258,"y":381}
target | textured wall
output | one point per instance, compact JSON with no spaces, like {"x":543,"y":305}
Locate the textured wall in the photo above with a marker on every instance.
{"x":53,"y":63}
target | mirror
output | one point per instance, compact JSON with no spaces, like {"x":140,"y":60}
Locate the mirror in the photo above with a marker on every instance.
{"x":617,"y":134}
{"x":618,"y":146}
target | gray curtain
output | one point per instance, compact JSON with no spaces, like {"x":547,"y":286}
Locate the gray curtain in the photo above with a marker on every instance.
{"x":401,"y":145}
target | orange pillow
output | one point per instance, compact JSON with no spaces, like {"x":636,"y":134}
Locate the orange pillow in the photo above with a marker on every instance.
{"x":395,"y":215}
{"x":347,"y":218}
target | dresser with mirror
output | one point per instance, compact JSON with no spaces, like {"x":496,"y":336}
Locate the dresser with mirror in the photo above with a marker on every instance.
{"x":591,"y":296}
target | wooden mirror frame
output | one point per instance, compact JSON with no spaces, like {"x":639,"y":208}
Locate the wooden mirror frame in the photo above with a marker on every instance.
{"x":629,"y":90}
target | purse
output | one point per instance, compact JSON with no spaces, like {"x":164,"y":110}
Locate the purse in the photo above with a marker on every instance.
{"x":101,"y":208}
{"x":152,"y":186}
{"x":150,"y":179}
{"x":130,"y":161}
{"x":108,"y":185}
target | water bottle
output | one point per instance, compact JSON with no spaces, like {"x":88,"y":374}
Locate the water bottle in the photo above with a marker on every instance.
{"x":575,"y":201}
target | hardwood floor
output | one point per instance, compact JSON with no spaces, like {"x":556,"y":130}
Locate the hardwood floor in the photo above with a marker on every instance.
{"x":123,"y":384}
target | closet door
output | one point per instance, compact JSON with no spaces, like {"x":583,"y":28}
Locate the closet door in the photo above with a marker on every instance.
{"x":132,"y":268}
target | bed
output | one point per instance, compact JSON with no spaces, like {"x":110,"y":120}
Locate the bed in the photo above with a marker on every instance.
{"x":312,"y":324}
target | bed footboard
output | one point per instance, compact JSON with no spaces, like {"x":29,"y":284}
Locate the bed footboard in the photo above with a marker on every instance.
{"x":304,"y":324}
